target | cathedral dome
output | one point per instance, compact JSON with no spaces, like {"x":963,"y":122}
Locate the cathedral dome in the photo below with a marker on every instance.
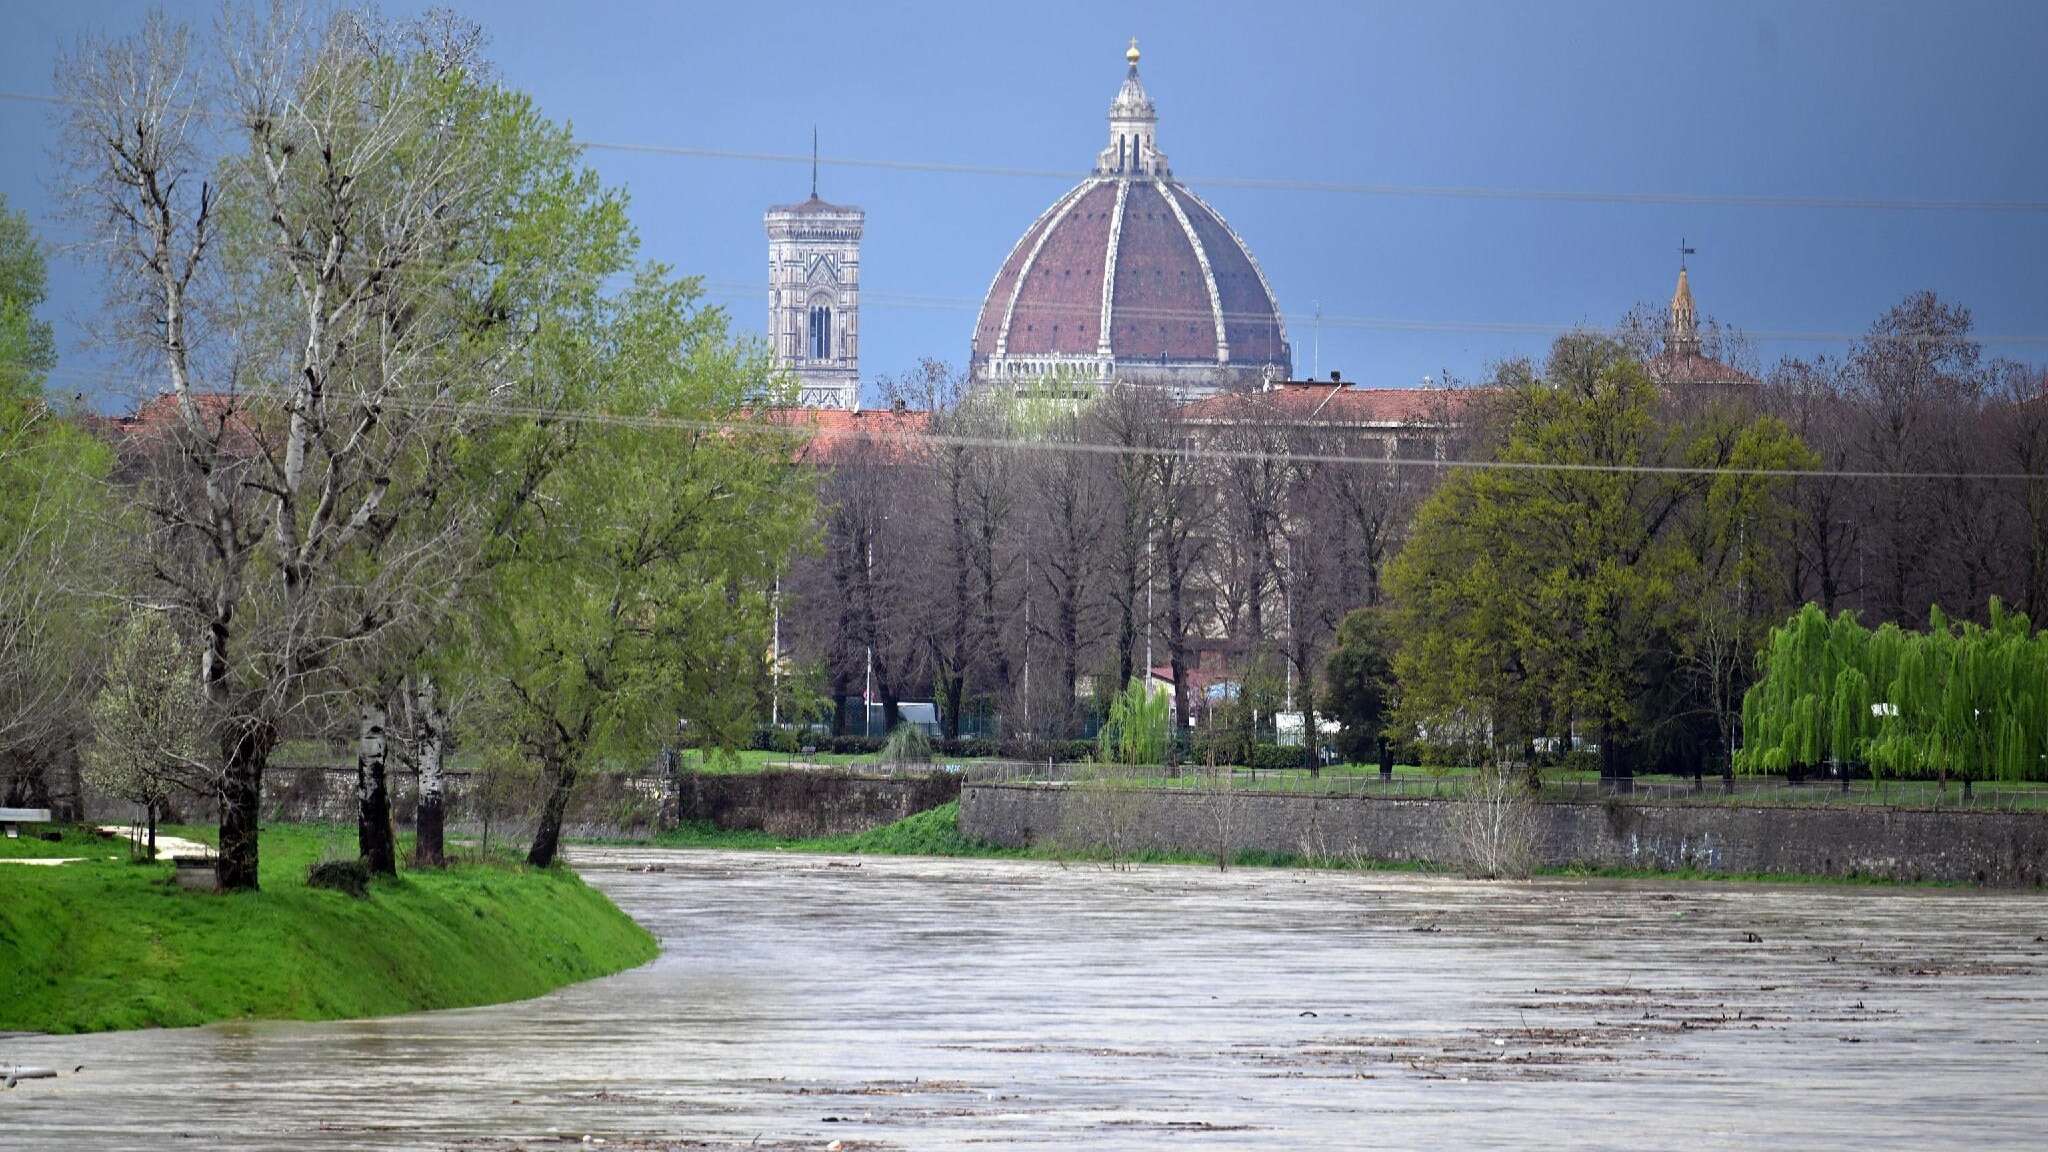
{"x":1131,"y":276}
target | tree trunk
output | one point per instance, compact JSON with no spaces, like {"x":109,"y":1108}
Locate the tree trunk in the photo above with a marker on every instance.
{"x":245,"y":752}
{"x":949,"y":724}
{"x":152,"y":829}
{"x":1308,"y":733}
{"x":1614,"y":769}
{"x":373,"y":793}
{"x":547,"y":836}
{"x":75,"y":774}
{"x":430,"y":739}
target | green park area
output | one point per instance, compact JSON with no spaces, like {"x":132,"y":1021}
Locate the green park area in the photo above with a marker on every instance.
{"x":101,"y":942}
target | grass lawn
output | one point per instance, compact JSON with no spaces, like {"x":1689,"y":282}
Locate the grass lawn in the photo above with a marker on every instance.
{"x":72,"y":841}
{"x":102,"y":944}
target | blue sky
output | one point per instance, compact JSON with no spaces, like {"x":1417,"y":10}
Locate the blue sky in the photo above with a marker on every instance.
{"x":1839,"y":100}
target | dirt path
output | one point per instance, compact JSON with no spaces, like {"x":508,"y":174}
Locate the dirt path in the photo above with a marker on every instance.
{"x":167,"y":847}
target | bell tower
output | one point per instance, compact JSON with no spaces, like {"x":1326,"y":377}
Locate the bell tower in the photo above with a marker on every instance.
{"x":1682,"y":323}
{"x":814,"y":295}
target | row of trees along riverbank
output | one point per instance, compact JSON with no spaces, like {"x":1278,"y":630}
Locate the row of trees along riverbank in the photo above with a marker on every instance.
{"x":423,"y":443}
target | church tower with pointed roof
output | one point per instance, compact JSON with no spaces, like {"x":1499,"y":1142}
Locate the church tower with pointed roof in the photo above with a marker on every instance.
{"x":814,"y":295}
{"x":1684,"y":361}
{"x":1682,"y":330}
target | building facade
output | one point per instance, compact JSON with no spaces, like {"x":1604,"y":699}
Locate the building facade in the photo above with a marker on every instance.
{"x":814,"y":297}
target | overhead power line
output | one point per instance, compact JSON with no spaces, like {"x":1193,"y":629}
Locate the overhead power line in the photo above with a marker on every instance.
{"x":801,"y":427}
{"x":1276,"y":183}
{"x":1061,"y":312}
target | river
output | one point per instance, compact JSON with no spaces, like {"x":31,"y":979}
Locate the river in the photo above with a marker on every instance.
{"x":889,"y":1003}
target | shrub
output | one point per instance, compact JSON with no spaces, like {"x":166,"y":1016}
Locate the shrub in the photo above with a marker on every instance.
{"x":1136,"y":730}
{"x":350,"y":876}
{"x":1495,"y":826}
{"x":908,"y":744}
{"x":1272,"y":757}
{"x":1583,"y":760}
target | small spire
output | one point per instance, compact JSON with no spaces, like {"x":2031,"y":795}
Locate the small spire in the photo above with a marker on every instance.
{"x":1131,"y":54}
{"x":1682,"y":329}
{"x":814,"y":161}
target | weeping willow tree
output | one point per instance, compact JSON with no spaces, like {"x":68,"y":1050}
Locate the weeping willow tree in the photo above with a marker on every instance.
{"x":1962,"y":700}
{"x":1135,"y":732}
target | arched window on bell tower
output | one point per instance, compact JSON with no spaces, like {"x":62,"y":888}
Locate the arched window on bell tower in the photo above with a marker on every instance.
{"x":821,"y":332}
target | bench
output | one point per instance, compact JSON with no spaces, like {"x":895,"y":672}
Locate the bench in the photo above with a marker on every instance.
{"x":14,"y":818}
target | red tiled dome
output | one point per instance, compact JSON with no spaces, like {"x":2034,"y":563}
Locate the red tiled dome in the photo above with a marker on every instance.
{"x":1131,"y":276}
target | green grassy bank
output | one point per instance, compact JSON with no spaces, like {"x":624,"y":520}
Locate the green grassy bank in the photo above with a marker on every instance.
{"x":104,"y":943}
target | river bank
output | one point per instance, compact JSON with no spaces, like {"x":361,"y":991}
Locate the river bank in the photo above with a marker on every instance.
{"x":101,"y":943}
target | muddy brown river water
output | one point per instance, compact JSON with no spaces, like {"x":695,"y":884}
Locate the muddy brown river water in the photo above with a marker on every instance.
{"x":899,"y":1003}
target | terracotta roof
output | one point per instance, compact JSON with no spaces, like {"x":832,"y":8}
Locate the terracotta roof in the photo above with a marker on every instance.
{"x":1336,"y":404}
{"x":816,"y":207}
{"x":835,"y":432}
{"x":157,"y":419}
{"x":1695,"y":369}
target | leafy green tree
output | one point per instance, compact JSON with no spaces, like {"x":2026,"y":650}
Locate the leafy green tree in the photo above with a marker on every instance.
{"x":54,"y":559}
{"x":1955,"y":699}
{"x":1544,"y":595}
{"x":1360,"y":683}
{"x":27,"y":349}
{"x":635,"y":588}
{"x":1136,"y":731}
{"x":148,"y":719}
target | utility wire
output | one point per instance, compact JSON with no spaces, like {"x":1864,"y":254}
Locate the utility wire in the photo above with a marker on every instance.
{"x":1091,"y":311}
{"x":1268,"y":183}
{"x":803,"y":424}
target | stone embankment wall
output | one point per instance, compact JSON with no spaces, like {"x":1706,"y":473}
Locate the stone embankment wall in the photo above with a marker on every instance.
{"x":796,"y":803}
{"x":810,"y":803}
{"x":1994,"y":848}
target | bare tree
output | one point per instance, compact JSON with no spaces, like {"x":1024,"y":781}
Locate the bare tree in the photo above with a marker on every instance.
{"x":1828,"y":524}
{"x":135,"y":148}
{"x":851,"y":605}
{"x":1494,"y":825}
{"x":1908,"y":379}
{"x":1253,"y":478}
{"x":2017,"y":429}
{"x":1312,"y":585}
{"x":1066,"y":510}
{"x":1185,"y":513}
{"x":1125,"y":421}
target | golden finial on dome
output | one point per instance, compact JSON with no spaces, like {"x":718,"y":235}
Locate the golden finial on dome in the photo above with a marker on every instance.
{"x":1131,"y":53}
